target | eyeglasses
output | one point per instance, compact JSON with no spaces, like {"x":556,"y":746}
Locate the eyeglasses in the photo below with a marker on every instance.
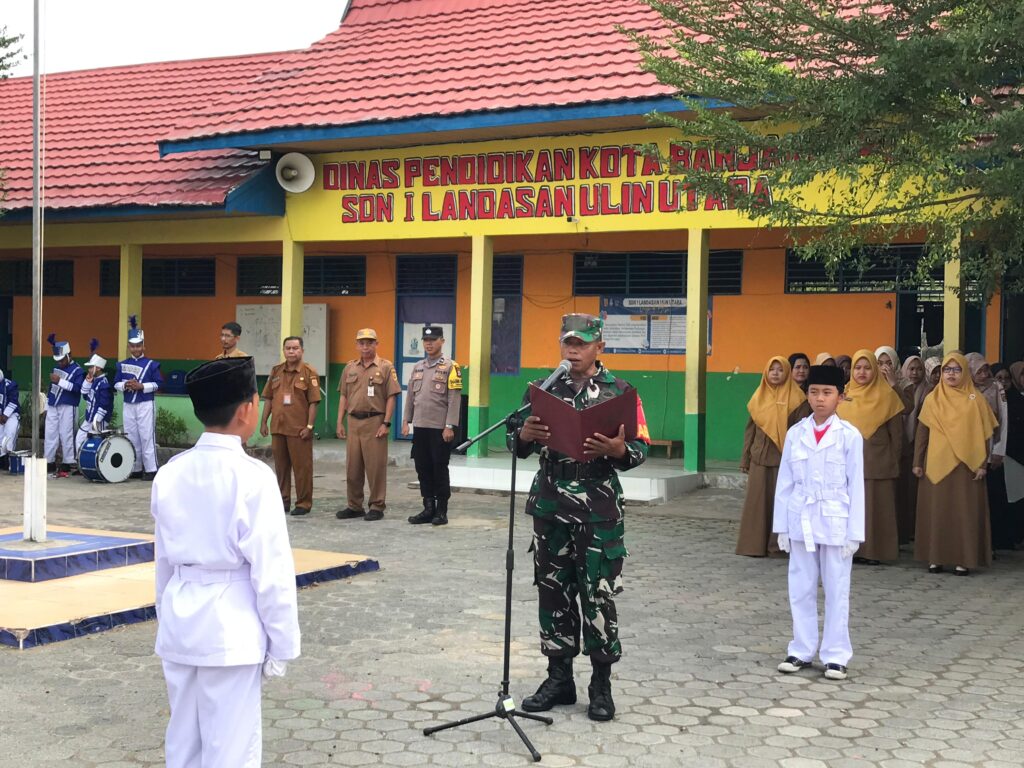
{"x":951,"y":369}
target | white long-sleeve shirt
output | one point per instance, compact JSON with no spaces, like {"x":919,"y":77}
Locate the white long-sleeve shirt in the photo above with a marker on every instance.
{"x":225,"y":575}
{"x":819,"y":496}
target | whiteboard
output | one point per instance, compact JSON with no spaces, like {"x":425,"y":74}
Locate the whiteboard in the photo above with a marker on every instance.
{"x":261,"y":335}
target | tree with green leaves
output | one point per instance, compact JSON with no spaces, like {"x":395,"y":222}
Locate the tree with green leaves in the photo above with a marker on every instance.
{"x":906,"y":114}
{"x":10,"y":52}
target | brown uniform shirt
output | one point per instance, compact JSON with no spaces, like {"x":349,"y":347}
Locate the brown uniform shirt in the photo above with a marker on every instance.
{"x":290,"y":394}
{"x":358,"y":381}
{"x":236,"y":353}
{"x":435,"y":394}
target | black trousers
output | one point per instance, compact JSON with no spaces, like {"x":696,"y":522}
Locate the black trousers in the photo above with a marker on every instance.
{"x":430,"y":453}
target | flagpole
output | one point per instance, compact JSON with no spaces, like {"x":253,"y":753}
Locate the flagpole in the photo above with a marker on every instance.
{"x":35,"y":469}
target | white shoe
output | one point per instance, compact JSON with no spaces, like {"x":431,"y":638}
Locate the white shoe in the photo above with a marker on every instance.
{"x":792,"y":664}
{"x":835,"y":672}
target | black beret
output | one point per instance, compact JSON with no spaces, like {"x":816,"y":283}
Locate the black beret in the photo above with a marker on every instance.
{"x":218,"y":383}
{"x":433,"y":332}
{"x":827,"y":375}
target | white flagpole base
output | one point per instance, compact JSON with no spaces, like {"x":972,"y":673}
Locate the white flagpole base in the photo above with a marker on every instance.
{"x":35,"y":499}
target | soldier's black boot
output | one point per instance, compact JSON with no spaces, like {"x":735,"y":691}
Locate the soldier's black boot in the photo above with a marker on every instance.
{"x":601,"y":705}
{"x":558,"y":688}
{"x":440,"y":513}
{"x":427,"y":513}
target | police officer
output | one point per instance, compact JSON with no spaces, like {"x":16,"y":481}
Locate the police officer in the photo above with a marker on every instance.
{"x":368,"y":387}
{"x":578,"y":528}
{"x":432,"y":405}
{"x":292,"y":393}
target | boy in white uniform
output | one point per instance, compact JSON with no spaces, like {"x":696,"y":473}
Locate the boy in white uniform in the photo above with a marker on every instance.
{"x":819,"y":516}
{"x":225,"y":577}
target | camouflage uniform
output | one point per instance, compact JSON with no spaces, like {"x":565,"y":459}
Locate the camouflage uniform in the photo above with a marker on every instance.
{"x":578,"y":530}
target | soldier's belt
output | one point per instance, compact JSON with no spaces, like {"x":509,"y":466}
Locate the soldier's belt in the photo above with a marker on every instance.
{"x":573,"y":470}
{"x":364,"y":414}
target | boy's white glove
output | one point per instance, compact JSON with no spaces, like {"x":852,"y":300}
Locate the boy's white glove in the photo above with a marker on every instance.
{"x":849,"y":548}
{"x":784,"y":542}
{"x":274,"y":668}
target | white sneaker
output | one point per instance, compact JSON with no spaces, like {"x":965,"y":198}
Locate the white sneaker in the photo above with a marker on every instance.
{"x":835,"y":672}
{"x":792,"y":664}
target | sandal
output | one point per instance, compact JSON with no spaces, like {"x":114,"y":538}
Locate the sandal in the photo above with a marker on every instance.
{"x":934,"y":569}
{"x":961,"y":571}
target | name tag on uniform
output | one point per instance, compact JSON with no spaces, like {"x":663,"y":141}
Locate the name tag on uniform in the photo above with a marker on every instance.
{"x":287,"y":399}
{"x":369,"y":391}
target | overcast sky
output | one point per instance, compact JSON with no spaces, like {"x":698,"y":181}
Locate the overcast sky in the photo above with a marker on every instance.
{"x":83,"y":34}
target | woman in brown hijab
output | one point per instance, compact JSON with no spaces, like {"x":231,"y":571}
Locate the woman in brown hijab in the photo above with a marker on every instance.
{"x":914,"y":391}
{"x":951,"y":449}
{"x":873,"y":406}
{"x":775,"y":406}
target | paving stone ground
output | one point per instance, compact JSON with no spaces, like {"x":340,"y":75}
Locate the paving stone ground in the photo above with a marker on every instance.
{"x":936,"y":680}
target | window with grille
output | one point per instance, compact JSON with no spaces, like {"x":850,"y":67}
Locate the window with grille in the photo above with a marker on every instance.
{"x":58,"y":277}
{"x":507,"y":314}
{"x":333,"y":276}
{"x":427,"y":275}
{"x":259,"y":276}
{"x":872,"y":269}
{"x":652,"y":273}
{"x":179,"y":277}
{"x":110,"y":277}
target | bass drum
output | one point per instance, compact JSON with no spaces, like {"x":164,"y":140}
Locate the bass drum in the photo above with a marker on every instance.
{"x":106,"y":458}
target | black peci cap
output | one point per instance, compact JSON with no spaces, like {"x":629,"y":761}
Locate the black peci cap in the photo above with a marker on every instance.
{"x":827,"y":375}
{"x":220,"y":383}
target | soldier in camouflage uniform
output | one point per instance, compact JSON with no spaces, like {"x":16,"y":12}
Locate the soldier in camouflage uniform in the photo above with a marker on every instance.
{"x":578,"y":528}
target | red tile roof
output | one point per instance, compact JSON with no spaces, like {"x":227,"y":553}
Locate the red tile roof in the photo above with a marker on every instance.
{"x":102,"y":128}
{"x":398,"y":59}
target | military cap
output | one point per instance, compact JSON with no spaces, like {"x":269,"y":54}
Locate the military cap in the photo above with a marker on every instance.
{"x":433,"y":332}
{"x":366,"y":333}
{"x":228,"y":381}
{"x":586,"y":328}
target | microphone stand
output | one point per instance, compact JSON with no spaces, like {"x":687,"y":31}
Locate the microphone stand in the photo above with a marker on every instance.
{"x":505,"y":709}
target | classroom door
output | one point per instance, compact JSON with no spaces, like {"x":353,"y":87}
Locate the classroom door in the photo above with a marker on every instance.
{"x":1013,"y":328}
{"x":425,"y":289}
{"x":6,"y":334}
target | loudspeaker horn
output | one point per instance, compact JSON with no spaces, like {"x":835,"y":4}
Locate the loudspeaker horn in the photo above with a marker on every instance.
{"x":295,"y":172}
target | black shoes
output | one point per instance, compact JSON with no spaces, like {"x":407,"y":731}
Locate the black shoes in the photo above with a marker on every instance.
{"x":440,"y":512}
{"x":349,"y":514}
{"x":835,"y":672}
{"x":148,"y":476}
{"x":374,"y":514}
{"x":427,"y":513}
{"x":135,"y":475}
{"x":300,"y":511}
{"x":558,"y":688}
{"x":601,"y":708}
{"x":792,"y":664}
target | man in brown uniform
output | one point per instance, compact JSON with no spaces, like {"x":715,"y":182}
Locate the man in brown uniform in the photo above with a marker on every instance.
{"x":292,"y":394}
{"x":368,"y":387}
{"x":432,"y":405}
{"x":229,"y":333}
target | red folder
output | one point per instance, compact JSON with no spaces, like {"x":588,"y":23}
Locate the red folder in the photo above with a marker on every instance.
{"x":569,"y":427}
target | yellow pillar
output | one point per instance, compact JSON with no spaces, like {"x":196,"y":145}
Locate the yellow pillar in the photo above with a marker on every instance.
{"x":481,"y":308}
{"x":292,"y":262}
{"x":694,"y":422}
{"x":130,"y":296}
{"x":954,"y":310}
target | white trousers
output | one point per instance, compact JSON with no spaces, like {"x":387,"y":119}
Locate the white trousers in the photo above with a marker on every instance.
{"x":805,"y":569}
{"x":140,"y":428}
{"x":60,"y":427}
{"x":216,"y":716}
{"x":9,"y":434}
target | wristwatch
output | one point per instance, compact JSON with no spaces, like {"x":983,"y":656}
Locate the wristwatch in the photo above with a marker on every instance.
{"x":387,"y":423}
{"x":309,"y":426}
{"x":449,"y":426}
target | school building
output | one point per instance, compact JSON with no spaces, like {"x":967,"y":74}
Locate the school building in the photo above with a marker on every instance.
{"x":476,"y":164}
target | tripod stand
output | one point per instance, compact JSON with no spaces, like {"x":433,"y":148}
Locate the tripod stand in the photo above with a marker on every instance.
{"x":506,"y":707}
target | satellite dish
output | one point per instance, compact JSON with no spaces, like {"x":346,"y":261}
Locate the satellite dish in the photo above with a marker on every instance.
{"x":295,"y":172}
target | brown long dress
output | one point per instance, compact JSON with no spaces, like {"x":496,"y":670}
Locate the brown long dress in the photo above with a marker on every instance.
{"x":952,"y":516}
{"x":761,"y":458}
{"x":906,"y":497}
{"x":881,"y":474}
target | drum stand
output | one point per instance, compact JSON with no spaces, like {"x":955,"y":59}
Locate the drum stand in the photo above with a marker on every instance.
{"x":505,"y":709}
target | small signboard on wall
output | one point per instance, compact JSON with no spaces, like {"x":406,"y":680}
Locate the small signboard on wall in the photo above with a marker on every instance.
{"x":646,"y":325}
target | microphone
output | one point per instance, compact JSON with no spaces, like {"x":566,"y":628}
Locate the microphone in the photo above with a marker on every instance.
{"x":561,"y":370}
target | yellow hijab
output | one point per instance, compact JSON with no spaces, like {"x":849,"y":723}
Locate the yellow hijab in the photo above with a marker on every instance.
{"x":869,"y":406}
{"x":960,"y":421}
{"x":770,"y":406}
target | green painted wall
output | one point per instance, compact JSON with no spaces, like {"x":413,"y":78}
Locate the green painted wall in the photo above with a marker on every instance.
{"x":662,"y":393}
